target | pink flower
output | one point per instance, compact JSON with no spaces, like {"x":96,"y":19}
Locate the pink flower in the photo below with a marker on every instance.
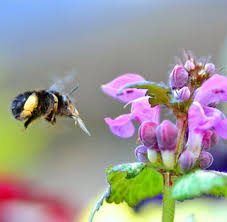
{"x":182,"y":94}
{"x":127,"y":95}
{"x":141,"y":109}
{"x":189,"y":65}
{"x":210,"y":68}
{"x":166,"y":134}
{"x":141,"y":153}
{"x":186,"y":160}
{"x":147,"y":134}
{"x":210,"y":139}
{"x":206,"y":160}
{"x":202,"y":117}
{"x":122,"y":126}
{"x":213,"y":90}
{"x":178,"y":77}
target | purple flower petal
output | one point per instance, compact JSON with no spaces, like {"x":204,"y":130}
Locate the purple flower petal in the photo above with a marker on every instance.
{"x":210,"y":139}
{"x":221,"y":128}
{"x":122,"y":126}
{"x":203,"y":118}
{"x":141,"y":111}
{"x":187,"y":160}
{"x":141,"y":153}
{"x":213,"y":90}
{"x":206,"y":159}
{"x":194,"y":143}
{"x":127,"y":95}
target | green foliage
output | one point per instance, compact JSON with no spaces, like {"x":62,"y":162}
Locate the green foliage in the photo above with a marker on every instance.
{"x":198,"y":183}
{"x":131,"y":182}
{"x":159,"y":93}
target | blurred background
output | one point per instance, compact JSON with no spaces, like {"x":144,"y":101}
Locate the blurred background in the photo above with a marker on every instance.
{"x":44,"y":41}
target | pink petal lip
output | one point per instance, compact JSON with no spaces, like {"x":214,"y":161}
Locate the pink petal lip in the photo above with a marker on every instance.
{"x":141,"y":111}
{"x":202,"y":117}
{"x":213,"y":90}
{"x":127,"y":95}
{"x":221,"y":128}
{"x":122,"y":126}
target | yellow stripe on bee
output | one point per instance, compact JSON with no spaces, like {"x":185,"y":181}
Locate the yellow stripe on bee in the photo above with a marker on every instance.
{"x":31,"y":103}
{"x":25,"y":113}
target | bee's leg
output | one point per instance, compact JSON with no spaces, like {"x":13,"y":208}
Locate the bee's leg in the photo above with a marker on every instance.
{"x":29,"y":121}
{"x":55,"y":109}
{"x":52,"y":110}
{"x":50,"y":118}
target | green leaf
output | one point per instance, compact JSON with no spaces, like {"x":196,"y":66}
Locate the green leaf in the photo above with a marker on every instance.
{"x":159,"y":93}
{"x":130,"y":182}
{"x":198,"y":183}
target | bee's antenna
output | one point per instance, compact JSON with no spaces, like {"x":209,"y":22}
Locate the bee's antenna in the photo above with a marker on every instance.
{"x":73,"y":89}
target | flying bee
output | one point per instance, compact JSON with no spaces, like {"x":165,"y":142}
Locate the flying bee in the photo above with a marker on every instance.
{"x":49,"y":103}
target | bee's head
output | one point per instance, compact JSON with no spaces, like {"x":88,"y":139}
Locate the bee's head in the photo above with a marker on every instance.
{"x":66,"y":102}
{"x":68,"y":106}
{"x":23,"y":105}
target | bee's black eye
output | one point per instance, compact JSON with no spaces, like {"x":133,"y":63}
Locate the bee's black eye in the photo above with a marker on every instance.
{"x":65,"y":100}
{"x":17,"y":105}
{"x":21,"y":98}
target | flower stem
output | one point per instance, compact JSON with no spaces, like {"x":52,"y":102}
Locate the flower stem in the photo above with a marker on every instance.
{"x":182,"y":126}
{"x":168,"y":204}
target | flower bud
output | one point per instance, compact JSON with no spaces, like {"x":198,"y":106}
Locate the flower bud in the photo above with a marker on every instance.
{"x":186,"y":160}
{"x":189,"y":65}
{"x":206,"y":160}
{"x":210,"y":139}
{"x":141,"y":153}
{"x":210,"y":68}
{"x":183,"y":94}
{"x":178,"y":77}
{"x":147,"y":134}
{"x":166,"y":134}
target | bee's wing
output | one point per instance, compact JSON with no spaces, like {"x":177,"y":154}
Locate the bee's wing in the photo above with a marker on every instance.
{"x":65,"y":84}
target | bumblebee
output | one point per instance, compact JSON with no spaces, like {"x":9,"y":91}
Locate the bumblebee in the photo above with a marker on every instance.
{"x":49,"y":103}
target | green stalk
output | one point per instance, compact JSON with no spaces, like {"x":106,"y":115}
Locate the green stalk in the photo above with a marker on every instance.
{"x":182,"y":127}
{"x":168,"y":204}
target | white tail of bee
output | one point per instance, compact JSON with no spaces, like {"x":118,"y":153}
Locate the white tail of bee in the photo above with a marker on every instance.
{"x":81,"y":124}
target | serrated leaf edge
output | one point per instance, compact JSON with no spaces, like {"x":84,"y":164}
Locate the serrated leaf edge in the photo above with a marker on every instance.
{"x":122,"y":170}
